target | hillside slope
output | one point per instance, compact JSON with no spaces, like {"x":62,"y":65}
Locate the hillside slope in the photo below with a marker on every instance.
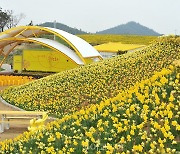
{"x":71,"y":90}
{"x":131,"y":28}
{"x":63,"y":27}
{"x":142,"y":119}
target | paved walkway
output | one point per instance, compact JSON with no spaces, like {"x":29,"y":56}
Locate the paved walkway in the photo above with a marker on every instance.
{"x":4,"y":107}
{"x":14,"y":130}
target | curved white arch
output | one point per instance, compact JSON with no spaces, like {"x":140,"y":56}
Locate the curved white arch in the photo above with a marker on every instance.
{"x":9,"y":44}
{"x":60,"y":47}
{"x":81,"y":47}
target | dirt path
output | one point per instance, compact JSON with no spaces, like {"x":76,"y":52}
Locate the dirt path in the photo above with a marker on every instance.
{"x":15,"y":129}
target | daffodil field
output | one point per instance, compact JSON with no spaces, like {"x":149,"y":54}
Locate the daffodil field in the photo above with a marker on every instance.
{"x":71,"y":90}
{"x":96,"y":39}
{"x":144,"y":118}
{"x":126,"y":104}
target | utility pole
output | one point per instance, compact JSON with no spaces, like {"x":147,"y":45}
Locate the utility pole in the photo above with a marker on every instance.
{"x":175,"y":32}
{"x":54,"y":27}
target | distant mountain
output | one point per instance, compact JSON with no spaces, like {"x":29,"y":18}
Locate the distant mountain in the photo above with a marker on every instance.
{"x":63,"y":27}
{"x":131,"y":28}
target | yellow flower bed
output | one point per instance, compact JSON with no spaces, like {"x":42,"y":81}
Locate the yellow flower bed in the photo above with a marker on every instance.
{"x":74,"y":89}
{"x":96,"y":39}
{"x":144,"y":118}
{"x":6,"y":80}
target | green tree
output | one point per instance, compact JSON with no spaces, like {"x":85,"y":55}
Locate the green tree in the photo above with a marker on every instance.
{"x":4,"y":18}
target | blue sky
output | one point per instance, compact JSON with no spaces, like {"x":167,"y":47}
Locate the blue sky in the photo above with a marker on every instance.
{"x":95,"y":15}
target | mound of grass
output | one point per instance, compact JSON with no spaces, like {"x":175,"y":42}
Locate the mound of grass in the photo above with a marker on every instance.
{"x":72,"y":90}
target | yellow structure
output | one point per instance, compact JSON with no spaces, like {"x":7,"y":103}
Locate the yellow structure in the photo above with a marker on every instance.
{"x":43,"y":60}
{"x":79,"y":52}
{"x":116,"y":46}
{"x":17,"y":63}
{"x":112,"y":48}
{"x":46,"y":60}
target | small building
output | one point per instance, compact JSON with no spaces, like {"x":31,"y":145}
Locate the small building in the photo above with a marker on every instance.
{"x":111,"y":49}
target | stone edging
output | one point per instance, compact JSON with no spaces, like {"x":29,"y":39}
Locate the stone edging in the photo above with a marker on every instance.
{"x":9,"y":105}
{"x":17,"y":108}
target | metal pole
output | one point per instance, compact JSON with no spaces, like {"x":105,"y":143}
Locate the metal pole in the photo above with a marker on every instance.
{"x":54,"y":27}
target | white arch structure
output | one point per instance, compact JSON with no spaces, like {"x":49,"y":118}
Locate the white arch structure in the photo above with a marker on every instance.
{"x":81,"y":49}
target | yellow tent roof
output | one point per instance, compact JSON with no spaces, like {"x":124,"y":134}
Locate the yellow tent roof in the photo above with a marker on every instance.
{"x":116,"y":46}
